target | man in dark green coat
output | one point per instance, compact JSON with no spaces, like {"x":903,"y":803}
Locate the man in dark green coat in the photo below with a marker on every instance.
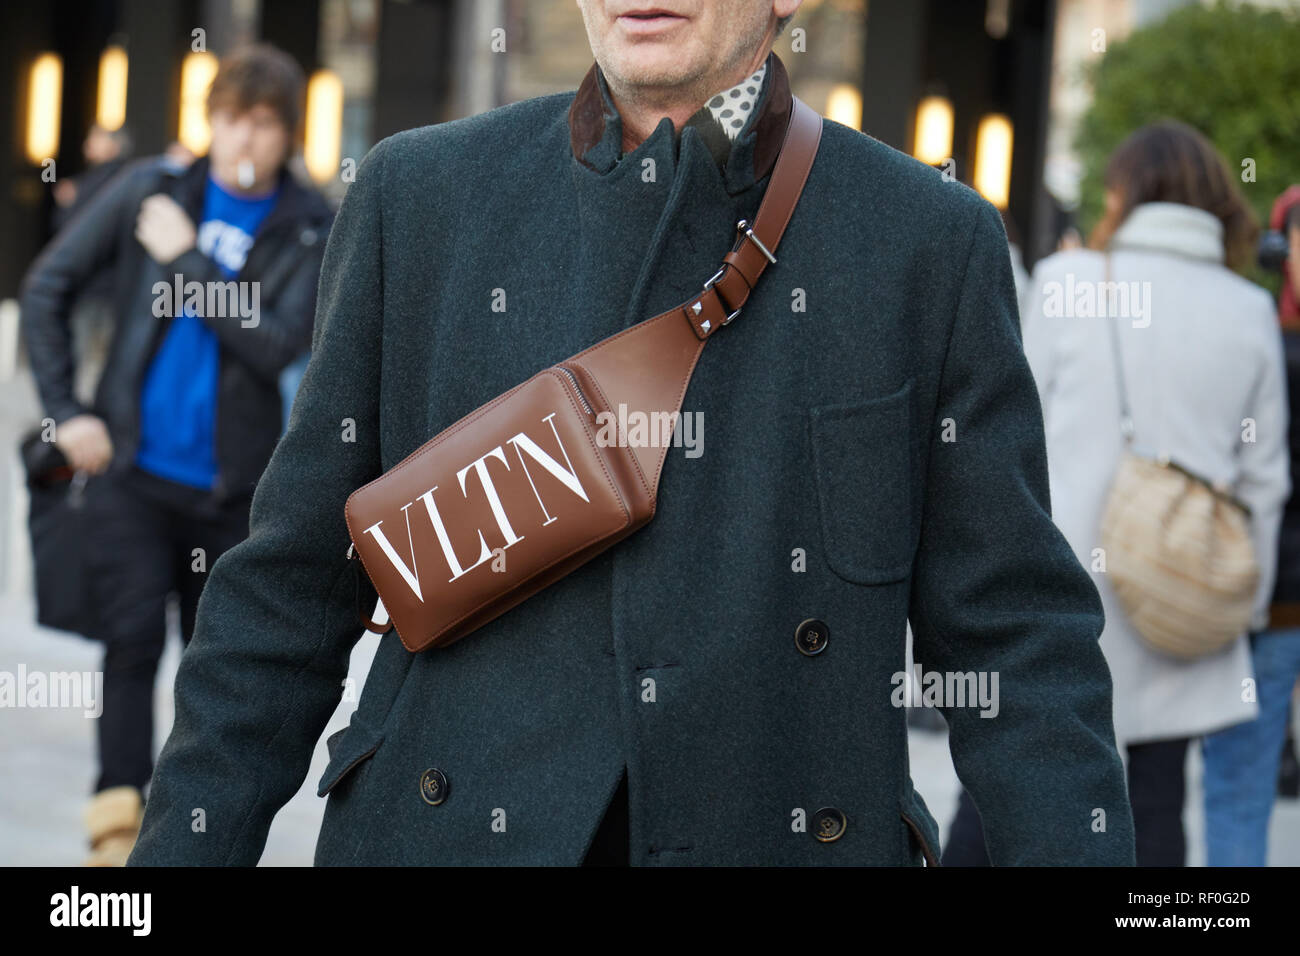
{"x":873,"y":455}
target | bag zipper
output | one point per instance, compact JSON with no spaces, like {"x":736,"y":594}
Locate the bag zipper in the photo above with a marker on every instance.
{"x":577,"y":389}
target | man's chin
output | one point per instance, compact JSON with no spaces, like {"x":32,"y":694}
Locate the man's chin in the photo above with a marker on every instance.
{"x":651,"y":65}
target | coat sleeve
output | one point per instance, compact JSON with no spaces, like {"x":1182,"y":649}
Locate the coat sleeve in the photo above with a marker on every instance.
{"x":277,"y":617}
{"x":282,"y":328}
{"x":997,"y":591}
{"x":54,"y":280}
{"x":1264,"y":483}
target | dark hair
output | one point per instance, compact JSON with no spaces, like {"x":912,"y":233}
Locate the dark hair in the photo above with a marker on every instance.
{"x":259,"y":74}
{"x":782,"y":21}
{"x":1170,"y":161}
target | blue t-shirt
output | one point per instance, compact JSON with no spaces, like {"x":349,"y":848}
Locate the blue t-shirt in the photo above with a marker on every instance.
{"x":178,"y":403}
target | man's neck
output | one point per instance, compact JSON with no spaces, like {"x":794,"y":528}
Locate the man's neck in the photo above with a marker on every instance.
{"x":642,"y":113}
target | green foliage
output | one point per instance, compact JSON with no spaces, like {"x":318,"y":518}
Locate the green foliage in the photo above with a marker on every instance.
{"x":1231,"y":71}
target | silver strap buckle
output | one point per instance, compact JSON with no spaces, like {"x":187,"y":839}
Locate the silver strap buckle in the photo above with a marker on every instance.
{"x":709,"y":284}
{"x":742,"y":228}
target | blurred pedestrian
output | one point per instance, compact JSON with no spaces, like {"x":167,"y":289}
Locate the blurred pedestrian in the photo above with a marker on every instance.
{"x":1201,"y":357}
{"x":106,"y":152}
{"x":1241,"y":763}
{"x":1283,"y":219}
{"x":188,"y":410}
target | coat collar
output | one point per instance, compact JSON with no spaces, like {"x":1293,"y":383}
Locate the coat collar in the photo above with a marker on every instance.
{"x":1172,"y":227}
{"x":596,"y":130}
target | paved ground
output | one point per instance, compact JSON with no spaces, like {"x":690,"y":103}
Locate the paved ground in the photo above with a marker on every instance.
{"x":47,"y":755}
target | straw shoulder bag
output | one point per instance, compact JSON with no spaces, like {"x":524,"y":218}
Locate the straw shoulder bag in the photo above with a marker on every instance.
{"x":1178,"y":547}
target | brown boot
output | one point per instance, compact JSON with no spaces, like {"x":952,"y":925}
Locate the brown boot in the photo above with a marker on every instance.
{"x":113,"y":820}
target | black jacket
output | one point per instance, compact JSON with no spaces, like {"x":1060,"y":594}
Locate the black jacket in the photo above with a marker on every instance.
{"x":284,"y":259}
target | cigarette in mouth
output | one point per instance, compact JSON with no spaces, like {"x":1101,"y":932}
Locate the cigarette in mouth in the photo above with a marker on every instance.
{"x":246,"y":173}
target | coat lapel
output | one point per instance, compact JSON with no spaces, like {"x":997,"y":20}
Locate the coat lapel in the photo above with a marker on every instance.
{"x":656,"y":224}
{"x":596,"y":130}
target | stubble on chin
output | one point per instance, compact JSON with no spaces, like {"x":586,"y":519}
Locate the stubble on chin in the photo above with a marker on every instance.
{"x":657,"y":83}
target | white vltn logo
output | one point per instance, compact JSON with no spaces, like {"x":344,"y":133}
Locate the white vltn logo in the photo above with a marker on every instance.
{"x":522,"y":443}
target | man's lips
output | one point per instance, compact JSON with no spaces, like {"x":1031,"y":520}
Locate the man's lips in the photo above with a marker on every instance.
{"x":648,"y":21}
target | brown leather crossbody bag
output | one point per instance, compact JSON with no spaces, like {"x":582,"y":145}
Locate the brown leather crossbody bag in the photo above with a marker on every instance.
{"x":535,"y":483}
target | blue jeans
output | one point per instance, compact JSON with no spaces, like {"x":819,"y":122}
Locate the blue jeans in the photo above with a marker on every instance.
{"x":1241,"y":763}
{"x":289,"y":380}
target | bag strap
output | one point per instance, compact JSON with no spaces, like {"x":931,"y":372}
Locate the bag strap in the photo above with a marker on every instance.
{"x":1126,"y":427}
{"x":727,"y":289}
{"x":648,"y":366}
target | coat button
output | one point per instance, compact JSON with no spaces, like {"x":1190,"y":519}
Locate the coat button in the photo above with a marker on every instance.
{"x":829,"y":824}
{"x":433,"y":786}
{"x":811,"y":637}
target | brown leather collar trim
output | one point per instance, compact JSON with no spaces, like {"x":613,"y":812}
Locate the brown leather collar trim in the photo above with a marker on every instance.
{"x":587,"y":118}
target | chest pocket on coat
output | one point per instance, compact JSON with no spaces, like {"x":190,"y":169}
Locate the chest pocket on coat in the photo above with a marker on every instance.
{"x":861,"y":453}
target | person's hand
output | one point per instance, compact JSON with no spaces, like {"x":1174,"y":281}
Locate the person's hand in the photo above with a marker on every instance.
{"x":84,"y":441}
{"x":164,"y":229}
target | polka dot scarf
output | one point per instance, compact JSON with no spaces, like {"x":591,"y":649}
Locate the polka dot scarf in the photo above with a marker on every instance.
{"x":732,"y":108}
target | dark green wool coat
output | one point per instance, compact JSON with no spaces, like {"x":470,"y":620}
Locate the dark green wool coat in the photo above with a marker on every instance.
{"x":888,"y":325}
